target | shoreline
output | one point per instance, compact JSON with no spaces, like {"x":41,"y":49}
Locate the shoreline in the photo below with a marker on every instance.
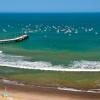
{"x":65,"y":80}
{"x":66,"y":89}
{"x":38,"y":93}
{"x":52,"y":69}
{"x":42,"y":85}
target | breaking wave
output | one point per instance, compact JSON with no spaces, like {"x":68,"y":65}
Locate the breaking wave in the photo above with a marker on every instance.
{"x":1,"y":51}
{"x":22,"y":62}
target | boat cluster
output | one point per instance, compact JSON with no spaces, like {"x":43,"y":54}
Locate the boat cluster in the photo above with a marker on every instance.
{"x":62,"y":28}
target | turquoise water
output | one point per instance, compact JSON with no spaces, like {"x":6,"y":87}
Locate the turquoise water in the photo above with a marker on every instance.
{"x":55,"y":40}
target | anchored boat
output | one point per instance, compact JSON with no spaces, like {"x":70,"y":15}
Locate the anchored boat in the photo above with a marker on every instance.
{"x":17,"y":39}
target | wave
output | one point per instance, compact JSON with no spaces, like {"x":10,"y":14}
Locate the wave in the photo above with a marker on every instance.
{"x":25,"y":63}
{"x":79,"y":90}
{"x":1,"y":51}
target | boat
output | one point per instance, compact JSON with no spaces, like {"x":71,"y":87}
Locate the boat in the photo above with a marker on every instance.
{"x":17,"y":39}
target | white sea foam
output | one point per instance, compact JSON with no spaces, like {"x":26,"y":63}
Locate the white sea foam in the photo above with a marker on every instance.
{"x":78,"y":90}
{"x":21,"y":62}
{"x":1,"y":51}
{"x":69,"y":89}
{"x":85,"y":65}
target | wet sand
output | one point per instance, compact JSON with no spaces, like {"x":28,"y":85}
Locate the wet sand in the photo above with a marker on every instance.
{"x":33,"y":92}
{"x":19,"y":93}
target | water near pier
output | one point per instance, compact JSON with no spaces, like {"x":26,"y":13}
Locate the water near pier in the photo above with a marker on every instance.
{"x":56,"y":41}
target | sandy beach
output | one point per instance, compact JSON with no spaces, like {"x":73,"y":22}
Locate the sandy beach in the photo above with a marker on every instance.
{"x":46,"y":94}
{"x":19,"y":91}
{"x":39,"y":96}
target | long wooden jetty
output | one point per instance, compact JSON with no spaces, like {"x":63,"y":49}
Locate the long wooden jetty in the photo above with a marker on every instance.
{"x":17,"y":39}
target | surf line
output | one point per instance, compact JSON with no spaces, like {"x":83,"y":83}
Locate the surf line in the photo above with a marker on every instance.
{"x":17,"y":39}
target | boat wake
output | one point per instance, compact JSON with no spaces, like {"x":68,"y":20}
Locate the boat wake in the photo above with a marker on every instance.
{"x":22,"y":62}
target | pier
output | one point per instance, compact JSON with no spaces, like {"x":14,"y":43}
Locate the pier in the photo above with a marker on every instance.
{"x":17,"y":39}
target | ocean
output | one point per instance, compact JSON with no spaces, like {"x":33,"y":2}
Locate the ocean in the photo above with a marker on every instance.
{"x":57,"y":41}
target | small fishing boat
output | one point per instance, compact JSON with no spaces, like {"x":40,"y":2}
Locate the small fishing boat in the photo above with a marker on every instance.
{"x":17,"y":39}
